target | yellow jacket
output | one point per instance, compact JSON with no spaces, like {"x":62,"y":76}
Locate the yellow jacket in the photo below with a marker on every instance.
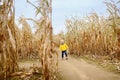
{"x":63,"y":47}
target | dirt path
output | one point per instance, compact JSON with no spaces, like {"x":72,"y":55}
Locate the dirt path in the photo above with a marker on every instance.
{"x":73,"y":69}
{"x":26,"y":64}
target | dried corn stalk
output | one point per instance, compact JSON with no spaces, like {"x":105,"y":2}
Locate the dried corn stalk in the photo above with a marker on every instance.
{"x":90,"y":36}
{"x":27,"y":37}
{"x":8,"y":39}
{"x":46,"y":55}
{"x":95,"y":34}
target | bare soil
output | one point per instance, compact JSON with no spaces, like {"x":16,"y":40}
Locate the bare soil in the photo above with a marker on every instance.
{"x":78,"y":69}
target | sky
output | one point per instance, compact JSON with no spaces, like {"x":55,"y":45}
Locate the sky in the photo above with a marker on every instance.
{"x":62,"y":9}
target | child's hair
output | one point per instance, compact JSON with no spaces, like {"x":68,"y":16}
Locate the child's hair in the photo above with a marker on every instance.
{"x":62,"y":41}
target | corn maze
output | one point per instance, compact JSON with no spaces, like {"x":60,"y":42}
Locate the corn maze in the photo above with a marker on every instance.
{"x":94,"y":35}
{"x":16,"y":44}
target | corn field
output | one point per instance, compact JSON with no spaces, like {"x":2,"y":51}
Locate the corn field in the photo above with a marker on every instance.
{"x":17,"y":44}
{"x":94,"y":34}
{"x":8,"y":46}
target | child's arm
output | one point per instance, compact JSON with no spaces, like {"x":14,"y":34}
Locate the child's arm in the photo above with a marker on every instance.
{"x":66,"y":46}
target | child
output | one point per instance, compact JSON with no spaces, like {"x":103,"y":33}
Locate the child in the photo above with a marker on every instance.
{"x":64,"y":48}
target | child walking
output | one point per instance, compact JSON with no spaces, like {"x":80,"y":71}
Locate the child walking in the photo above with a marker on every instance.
{"x":64,"y":48}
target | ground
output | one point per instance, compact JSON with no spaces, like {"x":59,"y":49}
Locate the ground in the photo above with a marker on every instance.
{"x":78,"y":69}
{"x":26,"y":64}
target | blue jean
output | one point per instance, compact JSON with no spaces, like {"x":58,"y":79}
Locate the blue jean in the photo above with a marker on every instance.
{"x":64,"y":53}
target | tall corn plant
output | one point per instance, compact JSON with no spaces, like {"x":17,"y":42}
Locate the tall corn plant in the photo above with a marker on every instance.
{"x":114,"y":14}
{"x":113,"y":20}
{"x":91,"y":35}
{"x":46,"y":47}
{"x":26,"y":38}
{"x":94,"y":34}
{"x":8,"y":39}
